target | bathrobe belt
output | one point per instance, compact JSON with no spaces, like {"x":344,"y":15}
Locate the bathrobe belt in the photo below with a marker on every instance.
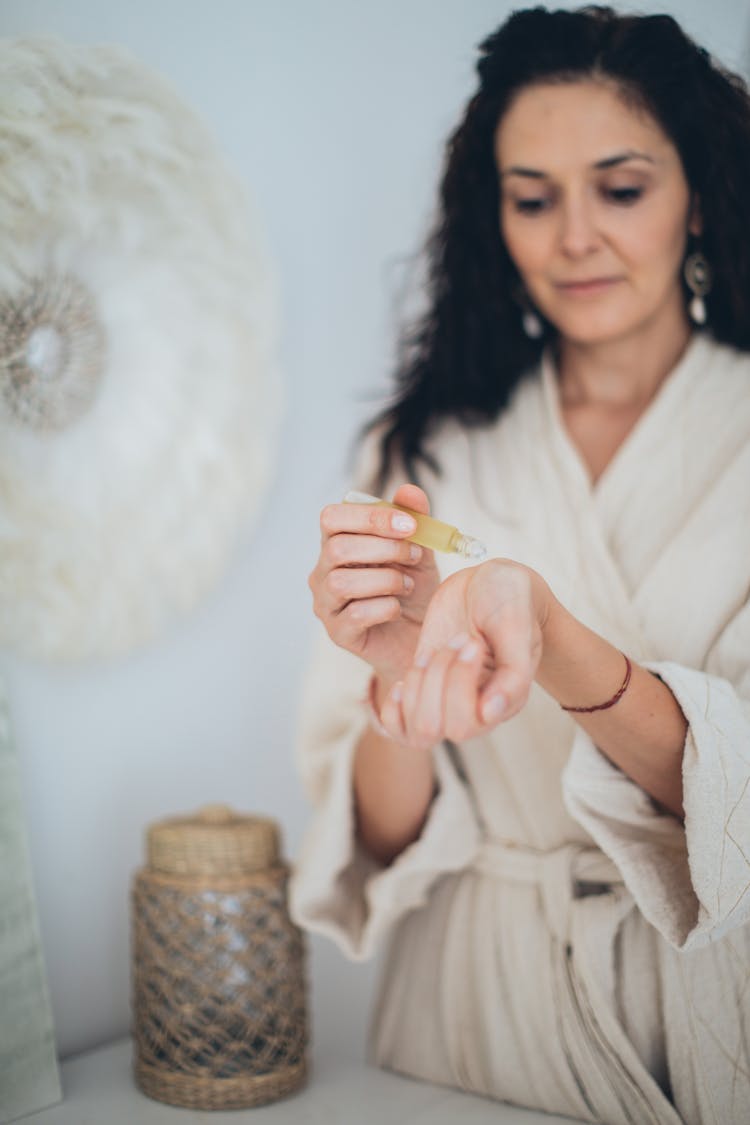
{"x":585,"y":902}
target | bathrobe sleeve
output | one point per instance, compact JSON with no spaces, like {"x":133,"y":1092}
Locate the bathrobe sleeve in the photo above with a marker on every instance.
{"x":691,"y":882}
{"x":337,"y":889}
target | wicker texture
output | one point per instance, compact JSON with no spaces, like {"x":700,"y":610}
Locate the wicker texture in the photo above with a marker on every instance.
{"x":218,"y":967}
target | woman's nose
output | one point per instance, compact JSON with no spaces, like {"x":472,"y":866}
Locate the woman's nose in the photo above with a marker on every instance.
{"x":578,"y":233}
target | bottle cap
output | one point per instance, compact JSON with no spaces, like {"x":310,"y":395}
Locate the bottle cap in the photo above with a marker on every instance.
{"x":471,"y":548}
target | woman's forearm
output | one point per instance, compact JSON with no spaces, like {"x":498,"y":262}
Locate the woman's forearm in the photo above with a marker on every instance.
{"x":393,"y":790}
{"x":643,"y":733}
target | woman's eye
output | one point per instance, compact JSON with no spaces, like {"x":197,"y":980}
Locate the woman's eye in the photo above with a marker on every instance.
{"x":530,"y":206}
{"x":623,"y":195}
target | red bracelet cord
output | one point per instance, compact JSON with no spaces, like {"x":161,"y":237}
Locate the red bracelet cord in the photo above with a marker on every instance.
{"x":610,"y":702}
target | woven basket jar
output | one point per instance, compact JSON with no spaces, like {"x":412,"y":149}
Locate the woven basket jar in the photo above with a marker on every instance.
{"x":219,"y":994}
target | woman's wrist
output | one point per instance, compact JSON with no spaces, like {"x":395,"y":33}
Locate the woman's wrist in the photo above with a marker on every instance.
{"x":544,"y":603}
{"x":635,"y":722}
{"x":579,"y":668}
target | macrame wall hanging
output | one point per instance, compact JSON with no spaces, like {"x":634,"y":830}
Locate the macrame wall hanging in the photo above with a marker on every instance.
{"x":138,"y":395}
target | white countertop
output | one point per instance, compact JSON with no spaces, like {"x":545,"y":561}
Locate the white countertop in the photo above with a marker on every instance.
{"x":99,"y":1090}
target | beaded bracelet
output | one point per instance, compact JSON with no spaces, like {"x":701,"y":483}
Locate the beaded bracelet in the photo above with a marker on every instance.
{"x":610,"y":702}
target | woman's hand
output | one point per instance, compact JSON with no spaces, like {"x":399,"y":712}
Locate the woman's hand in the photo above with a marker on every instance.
{"x":477,"y":657}
{"x":370,"y":587}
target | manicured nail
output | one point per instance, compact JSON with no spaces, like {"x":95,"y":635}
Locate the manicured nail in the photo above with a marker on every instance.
{"x":468,"y":652}
{"x":415,"y":552}
{"x":408,"y":583}
{"x":402,"y":522}
{"x":493,"y":708}
{"x":458,"y":641}
{"x":422,"y":659}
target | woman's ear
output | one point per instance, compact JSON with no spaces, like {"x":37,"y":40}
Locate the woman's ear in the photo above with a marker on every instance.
{"x":695,"y":217}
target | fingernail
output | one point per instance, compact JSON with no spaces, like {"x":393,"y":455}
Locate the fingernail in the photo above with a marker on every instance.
{"x":401,"y":522}
{"x":458,"y":641}
{"x":408,"y":583}
{"x":493,"y":708}
{"x":397,"y":692}
{"x":422,"y":659}
{"x":415,"y":552}
{"x":468,"y":652}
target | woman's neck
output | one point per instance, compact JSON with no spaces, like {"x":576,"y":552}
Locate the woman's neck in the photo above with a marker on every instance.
{"x":624,"y":373}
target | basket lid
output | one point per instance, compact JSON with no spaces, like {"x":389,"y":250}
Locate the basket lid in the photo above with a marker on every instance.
{"x":215,"y":840}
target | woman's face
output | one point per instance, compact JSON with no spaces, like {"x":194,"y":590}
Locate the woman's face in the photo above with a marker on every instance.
{"x":594,"y":210}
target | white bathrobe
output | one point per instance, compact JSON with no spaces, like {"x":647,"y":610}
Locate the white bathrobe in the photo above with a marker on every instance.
{"x":554,"y":939}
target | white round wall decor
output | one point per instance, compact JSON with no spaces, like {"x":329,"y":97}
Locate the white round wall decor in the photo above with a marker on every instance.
{"x":139,"y":395}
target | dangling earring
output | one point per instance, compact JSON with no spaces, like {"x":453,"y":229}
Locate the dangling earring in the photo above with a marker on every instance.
{"x":532,"y":324}
{"x":698,"y":280}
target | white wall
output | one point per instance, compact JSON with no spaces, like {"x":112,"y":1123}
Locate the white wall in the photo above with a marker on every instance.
{"x":333,"y":111}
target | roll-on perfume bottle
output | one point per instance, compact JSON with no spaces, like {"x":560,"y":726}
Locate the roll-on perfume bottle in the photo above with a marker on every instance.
{"x":431,"y":533}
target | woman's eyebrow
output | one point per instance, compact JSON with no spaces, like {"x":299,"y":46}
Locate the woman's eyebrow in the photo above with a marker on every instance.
{"x":622,"y":157}
{"x":516,"y":170}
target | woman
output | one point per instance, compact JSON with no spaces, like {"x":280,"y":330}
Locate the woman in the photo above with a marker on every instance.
{"x":545,"y":805}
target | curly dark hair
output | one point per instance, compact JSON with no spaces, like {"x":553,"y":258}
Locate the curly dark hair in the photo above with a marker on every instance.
{"x":468,"y":352}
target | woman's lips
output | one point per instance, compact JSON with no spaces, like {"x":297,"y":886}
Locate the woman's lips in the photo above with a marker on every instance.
{"x":590,"y":287}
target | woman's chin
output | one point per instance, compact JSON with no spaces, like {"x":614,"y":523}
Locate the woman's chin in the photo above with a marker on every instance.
{"x":592,"y":331}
